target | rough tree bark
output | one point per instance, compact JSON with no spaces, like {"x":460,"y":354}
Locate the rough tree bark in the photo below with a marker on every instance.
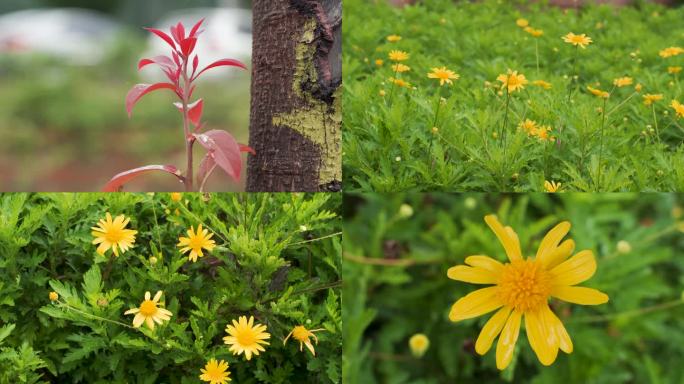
{"x":296,"y":112}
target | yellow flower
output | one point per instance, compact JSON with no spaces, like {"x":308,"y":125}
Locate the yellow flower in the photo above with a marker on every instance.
{"x":245,"y":337}
{"x":195,"y":242}
{"x":543,"y":133}
{"x":400,"y":82}
{"x":176,"y":196}
{"x":650,"y":99}
{"x":444,"y":75}
{"x":623,"y":81}
{"x":113,"y":234}
{"x":598,"y":92}
{"x":678,"y":107}
{"x":512,"y":80}
{"x":419,"y":344}
{"x":581,"y":40}
{"x":638,"y":87}
{"x":529,"y":126}
{"x":534,"y":32}
{"x":551,"y":186}
{"x":54,"y":296}
{"x":382,"y":92}
{"x":149,"y":313}
{"x":379,"y":62}
{"x":522,"y":287}
{"x":542,"y":83}
{"x":215,"y":372}
{"x":671,"y":51}
{"x":393,"y":38}
{"x":673,"y":70}
{"x":522,"y":23}
{"x":395,"y":55}
{"x":301,"y":334}
{"x":399,"y":68}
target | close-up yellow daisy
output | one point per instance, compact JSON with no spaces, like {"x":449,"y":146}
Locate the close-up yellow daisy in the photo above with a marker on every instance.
{"x":521,"y":290}
{"x":577,"y":40}
{"x":551,"y":186}
{"x":303,"y":335}
{"x":195,"y":242}
{"x":444,"y":75}
{"x":246,"y":338}
{"x":623,"y":81}
{"x":651,"y":98}
{"x":598,"y":92}
{"x":512,"y":81}
{"x":396,"y":55}
{"x":149,"y":313}
{"x":678,"y":107}
{"x":113,"y":234}
{"x":671,"y":51}
{"x":215,"y":372}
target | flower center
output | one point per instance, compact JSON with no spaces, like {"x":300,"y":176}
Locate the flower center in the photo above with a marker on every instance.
{"x":196,"y":243}
{"x":148,"y":308}
{"x":246,"y":337}
{"x":114,"y":235}
{"x":524,"y":285}
{"x":300,"y":333}
{"x":215,"y":373}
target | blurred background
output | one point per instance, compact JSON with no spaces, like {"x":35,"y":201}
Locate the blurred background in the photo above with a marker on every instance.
{"x":65,"y":69}
{"x":398,"y":248}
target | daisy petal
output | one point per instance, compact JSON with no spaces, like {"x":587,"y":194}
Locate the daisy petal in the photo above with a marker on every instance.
{"x":491,"y":330}
{"x":551,"y":240}
{"x":575,"y":270}
{"x":542,"y":336}
{"x":473,"y":275}
{"x":138,"y":320}
{"x":475,"y":304}
{"x":564,"y":340}
{"x":579,"y":295}
{"x":507,"y":340}
{"x":485,"y":262}
{"x":510,"y":244}
{"x":559,"y":254}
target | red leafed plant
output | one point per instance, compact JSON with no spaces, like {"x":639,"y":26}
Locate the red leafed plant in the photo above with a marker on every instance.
{"x":182,"y":70}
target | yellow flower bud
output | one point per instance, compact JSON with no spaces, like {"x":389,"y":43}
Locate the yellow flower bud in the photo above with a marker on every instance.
{"x":54,"y":296}
{"x":419,"y":344}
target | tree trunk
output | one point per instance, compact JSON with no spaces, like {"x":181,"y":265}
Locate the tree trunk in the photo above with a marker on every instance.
{"x":296,"y":112}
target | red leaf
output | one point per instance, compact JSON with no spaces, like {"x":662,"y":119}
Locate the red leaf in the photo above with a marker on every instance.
{"x":163,"y":35}
{"x":224,"y":149}
{"x":247,"y":148}
{"x":117,"y":182}
{"x":195,"y":63}
{"x":194,"y":29}
{"x":223,"y":62}
{"x":176,"y":59}
{"x":163,"y":61}
{"x":178,"y":32}
{"x":140,"y":90}
{"x":188,"y":45}
{"x":205,"y":168}
{"x":195,"y":111}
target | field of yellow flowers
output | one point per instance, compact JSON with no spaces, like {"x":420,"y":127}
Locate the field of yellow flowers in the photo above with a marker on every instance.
{"x":513,"y":96}
{"x":170,"y":288}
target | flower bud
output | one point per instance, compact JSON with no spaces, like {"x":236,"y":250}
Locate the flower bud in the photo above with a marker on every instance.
{"x":419,"y":344}
{"x":405,"y":211}
{"x":54,"y":296}
{"x":624,"y":246}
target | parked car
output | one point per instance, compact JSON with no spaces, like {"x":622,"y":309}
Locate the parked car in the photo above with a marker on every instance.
{"x":78,"y":36}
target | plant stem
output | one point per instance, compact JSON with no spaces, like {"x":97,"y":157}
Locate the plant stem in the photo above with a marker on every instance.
{"x":505,"y":122}
{"x":316,"y":239}
{"x":186,"y":127}
{"x":394,"y":79}
{"x":603,"y":121}
{"x":655,"y":122}
{"x":434,"y":121}
{"x":574,"y":72}
{"x":536,"y":52}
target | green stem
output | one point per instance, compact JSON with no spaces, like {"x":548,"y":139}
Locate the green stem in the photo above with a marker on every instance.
{"x":396,"y":73}
{"x":655,"y":122}
{"x":434,"y":121}
{"x":505,"y":123}
{"x":603,"y":121}
{"x":316,"y":239}
{"x":536,"y":52}
{"x":70,"y":308}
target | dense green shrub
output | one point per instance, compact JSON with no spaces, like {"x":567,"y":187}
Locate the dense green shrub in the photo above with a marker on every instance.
{"x":277,"y":258}
{"x":388,"y":140}
{"x":398,"y":249}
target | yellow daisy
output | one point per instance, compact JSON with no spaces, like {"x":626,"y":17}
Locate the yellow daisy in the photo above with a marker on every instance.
{"x":215,"y":372}
{"x":195,"y":242}
{"x":598,"y":92}
{"x":54,"y":296}
{"x":623,"y":81}
{"x":176,"y":196}
{"x":400,"y":82}
{"x":301,"y":334}
{"x":581,"y":40}
{"x":522,"y":23}
{"x":399,"y":68}
{"x":529,"y":126}
{"x":678,"y":107}
{"x":443,"y":75}
{"x":149,"y":313}
{"x":396,"y":55}
{"x":534,"y":32}
{"x":542,"y":83}
{"x":552,"y":186}
{"x":650,"y":99}
{"x":113,"y":234}
{"x":543,"y":133}
{"x":393,"y":38}
{"x":671,"y":51}
{"x":512,"y":80}
{"x":245,"y":337}
{"x":673,"y":70}
{"x":379,"y":62}
{"x":522,"y":288}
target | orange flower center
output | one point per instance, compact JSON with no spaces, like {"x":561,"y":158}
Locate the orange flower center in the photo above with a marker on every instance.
{"x":524,"y":285}
{"x":246,"y":337}
{"x":148,"y":308}
{"x":114,"y":235}
{"x":300,"y":333}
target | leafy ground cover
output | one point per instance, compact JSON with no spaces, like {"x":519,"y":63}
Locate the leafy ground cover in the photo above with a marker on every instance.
{"x":73,"y":311}
{"x":591,"y":115}
{"x":397,"y":298}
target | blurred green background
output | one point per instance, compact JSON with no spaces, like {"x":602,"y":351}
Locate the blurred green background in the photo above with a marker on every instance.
{"x":63,"y":125}
{"x":398,"y":249}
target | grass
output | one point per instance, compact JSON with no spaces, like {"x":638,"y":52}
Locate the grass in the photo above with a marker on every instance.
{"x":389,"y":141}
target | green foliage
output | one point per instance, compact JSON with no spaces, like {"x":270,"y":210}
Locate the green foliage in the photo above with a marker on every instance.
{"x":396,"y":285}
{"x":388,"y":141}
{"x":278,"y":258}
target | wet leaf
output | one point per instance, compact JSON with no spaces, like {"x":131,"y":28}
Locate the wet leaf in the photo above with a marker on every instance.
{"x":117,"y":182}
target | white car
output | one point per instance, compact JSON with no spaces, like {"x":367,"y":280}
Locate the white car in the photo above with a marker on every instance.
{"x":227,"y":35}
{"x":78,"y":36}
